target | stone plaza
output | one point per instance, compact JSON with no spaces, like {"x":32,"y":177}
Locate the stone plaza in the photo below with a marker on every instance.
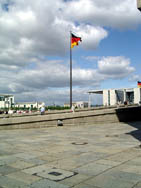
{"x":89,"y":156}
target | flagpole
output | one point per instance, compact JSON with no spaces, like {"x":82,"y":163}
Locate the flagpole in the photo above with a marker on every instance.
{"x":70,"y":72}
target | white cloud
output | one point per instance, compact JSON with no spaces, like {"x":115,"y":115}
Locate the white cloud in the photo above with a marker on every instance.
{"x":49,"y":80}
{"x":36,"y":28}
{"x":135,"y":78}
{"x":39,"y":28}
{"x":31,"y":32}
{"x":117,"y":14}
{"x":91,"y":36}
{"x":115,"y":67}
{"x":53,"y":74}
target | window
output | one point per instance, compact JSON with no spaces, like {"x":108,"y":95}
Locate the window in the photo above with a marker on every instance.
{"x":1,"y":98}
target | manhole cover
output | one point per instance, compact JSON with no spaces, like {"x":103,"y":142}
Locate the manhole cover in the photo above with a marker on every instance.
{"x":79,"y":143}
{"x":54,"y":174}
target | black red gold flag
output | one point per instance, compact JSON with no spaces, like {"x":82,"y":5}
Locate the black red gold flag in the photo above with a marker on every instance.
{"x":139,"y":84}
{"x":74,"y":40}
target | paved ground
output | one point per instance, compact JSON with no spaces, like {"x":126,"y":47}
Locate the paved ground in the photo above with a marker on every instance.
{"x":94,"y":156}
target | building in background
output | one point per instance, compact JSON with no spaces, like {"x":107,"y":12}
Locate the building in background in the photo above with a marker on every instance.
{"x":79,"y":104}
{"x":113,"y":97}
{"x":30,"y":105}
{"x":6,"y":101}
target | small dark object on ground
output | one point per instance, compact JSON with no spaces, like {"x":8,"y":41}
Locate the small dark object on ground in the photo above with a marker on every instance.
{"x":59,"y":123}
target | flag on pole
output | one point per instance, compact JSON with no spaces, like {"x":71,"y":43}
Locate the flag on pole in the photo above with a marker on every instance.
{"x":139,"y":84}
{"x":75,"y":40}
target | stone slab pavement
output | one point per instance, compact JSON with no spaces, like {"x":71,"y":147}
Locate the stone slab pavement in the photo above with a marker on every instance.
{"x":92,"y":156}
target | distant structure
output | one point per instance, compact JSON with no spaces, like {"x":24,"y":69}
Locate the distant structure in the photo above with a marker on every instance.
{"x":139,"y":4}
{"x":6,"y":101}
{"x":79,"y":104}
{"x":113,"y":97}
{"x":30,"y":105}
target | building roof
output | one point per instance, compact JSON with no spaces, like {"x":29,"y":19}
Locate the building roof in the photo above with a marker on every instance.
{"x":101,"y":91}
{"x":96,"y":91}
{"x":6,"y":95}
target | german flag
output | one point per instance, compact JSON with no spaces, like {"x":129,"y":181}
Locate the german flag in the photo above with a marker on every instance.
{"x":75,"y":40}
{"x":139,"y":84}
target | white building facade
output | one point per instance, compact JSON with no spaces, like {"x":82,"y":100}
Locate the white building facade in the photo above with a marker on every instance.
{"x":137,"y":94}
{"x":6,"y":101}
{"x":113,"y":97}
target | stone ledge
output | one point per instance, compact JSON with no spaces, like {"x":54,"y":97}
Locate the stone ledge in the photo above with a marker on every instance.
{"x":123,"y":114}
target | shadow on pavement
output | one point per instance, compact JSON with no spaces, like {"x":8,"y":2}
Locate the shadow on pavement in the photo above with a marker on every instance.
{"x":136,"y":133}
{"x":131,"y":115}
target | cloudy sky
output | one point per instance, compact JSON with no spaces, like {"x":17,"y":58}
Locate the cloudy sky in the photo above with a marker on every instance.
{"x":35,"y":41}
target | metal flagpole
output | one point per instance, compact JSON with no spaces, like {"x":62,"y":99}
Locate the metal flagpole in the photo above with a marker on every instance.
{"x":70,"y":71}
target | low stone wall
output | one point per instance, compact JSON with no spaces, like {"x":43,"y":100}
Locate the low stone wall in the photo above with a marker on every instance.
{"x":77,"y":118}
{"x":53,"y":112}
